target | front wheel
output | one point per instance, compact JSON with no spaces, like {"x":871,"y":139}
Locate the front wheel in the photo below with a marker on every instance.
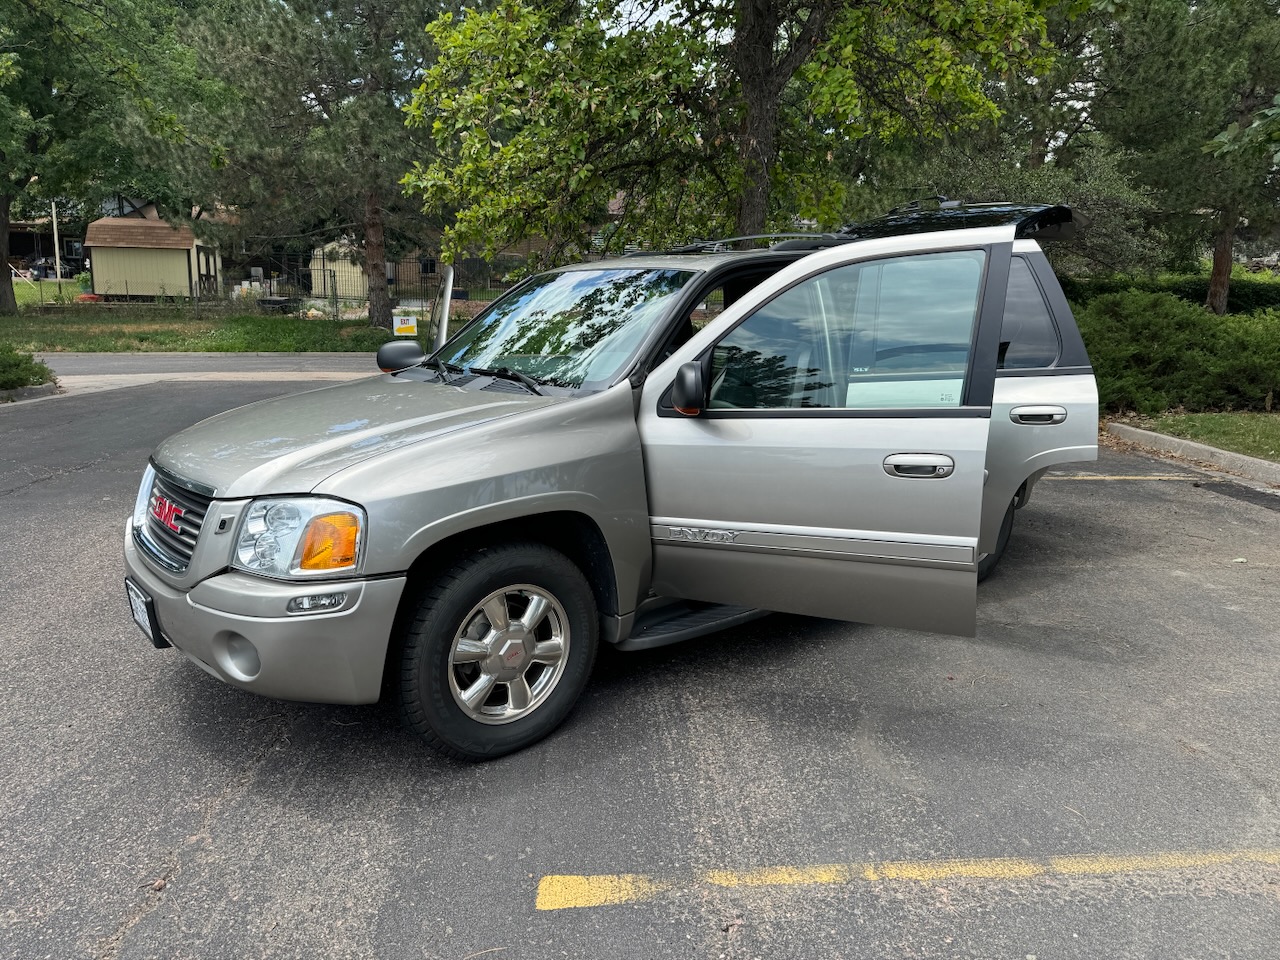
{"x":499,"y":651}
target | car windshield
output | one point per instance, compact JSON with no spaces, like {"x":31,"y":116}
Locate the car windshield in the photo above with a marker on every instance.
{"x":572,"y":329}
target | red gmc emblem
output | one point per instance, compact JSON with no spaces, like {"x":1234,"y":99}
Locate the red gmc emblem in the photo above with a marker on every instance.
{"x":167,"y":512}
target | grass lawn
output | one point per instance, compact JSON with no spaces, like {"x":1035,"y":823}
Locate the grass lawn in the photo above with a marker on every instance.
{"x":33,"y":293}
{"x":101,"y":329}
{"x":1255,"y":434}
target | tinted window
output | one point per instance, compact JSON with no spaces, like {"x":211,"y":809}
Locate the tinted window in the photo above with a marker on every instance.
{"x":892,"y":333}
{"x":570,"y":328}
{"x":1028,"y":337}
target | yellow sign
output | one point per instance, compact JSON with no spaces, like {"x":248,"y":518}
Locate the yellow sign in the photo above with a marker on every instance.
{"x":406,"y":326}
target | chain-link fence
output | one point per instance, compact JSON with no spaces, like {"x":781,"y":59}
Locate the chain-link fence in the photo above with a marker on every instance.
{"x":336,"y":283}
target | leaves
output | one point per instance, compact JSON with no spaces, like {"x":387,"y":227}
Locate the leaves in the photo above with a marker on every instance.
{"x":663,"y":125}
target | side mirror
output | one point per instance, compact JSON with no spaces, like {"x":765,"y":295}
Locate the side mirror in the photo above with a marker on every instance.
{"x":688,"y":395}
{"x":396,"y":355}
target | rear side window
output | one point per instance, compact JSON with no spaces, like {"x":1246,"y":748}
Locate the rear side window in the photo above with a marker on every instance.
{"x":1028,"y":337}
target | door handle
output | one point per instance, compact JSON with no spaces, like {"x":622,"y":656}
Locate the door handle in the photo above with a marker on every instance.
{"x":1038,"y":416}
{"x":919,"y":465}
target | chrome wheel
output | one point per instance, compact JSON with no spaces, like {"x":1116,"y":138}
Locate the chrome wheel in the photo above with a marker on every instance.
{"x":509,"y":654}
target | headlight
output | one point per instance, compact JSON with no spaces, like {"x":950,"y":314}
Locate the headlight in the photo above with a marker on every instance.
{"x":300,"y":537}
{"x":143,"y":502}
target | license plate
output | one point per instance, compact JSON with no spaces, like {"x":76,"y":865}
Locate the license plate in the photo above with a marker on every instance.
{"x":144,"y":614}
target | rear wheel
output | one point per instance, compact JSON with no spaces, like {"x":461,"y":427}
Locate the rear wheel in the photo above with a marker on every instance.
{"x":499,"y":651}
{"x":987,"y":562}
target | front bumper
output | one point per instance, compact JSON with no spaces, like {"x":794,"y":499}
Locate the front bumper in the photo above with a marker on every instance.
{"x":235,"y":627}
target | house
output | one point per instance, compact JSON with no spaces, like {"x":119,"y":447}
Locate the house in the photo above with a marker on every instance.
{"x":140,"y":255}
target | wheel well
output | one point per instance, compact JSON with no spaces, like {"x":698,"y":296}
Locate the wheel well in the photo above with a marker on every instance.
{"x":574,"y":534}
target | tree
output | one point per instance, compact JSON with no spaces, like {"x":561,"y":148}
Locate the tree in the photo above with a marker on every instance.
{"x":1044,"y":146}
{"x":688,"y":118}
{"x":1176,"y":73}
{"x":1263,"y":132}
{"x":306,"y":136}
{"x":70,"y":75}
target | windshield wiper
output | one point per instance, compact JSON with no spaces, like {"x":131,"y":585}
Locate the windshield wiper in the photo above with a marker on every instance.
{"x":444,"y":367}
{"x":506,"y":373}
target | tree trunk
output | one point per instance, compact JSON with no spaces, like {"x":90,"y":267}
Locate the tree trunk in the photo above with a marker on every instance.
{"x":754,"y":46}
{"x":759,"y":150}
{"x":375,"y":261}
{"x":8,"y":302}
{"x":1220,"y":277}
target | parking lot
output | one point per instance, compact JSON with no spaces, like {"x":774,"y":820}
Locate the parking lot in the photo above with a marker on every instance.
{"x":1094,"y":775}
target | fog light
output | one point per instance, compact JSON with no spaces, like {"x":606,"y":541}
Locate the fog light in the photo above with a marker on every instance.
{"x":243,"y":657}
{"x":317,"y":603}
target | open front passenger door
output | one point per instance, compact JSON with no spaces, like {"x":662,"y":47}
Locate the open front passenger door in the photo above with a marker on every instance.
{"x":835,"y":464}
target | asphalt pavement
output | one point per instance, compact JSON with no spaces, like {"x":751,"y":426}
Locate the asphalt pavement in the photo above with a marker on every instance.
{"x":1094,"y":775}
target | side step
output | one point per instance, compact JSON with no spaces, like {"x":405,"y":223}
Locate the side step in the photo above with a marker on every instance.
{"x":682,"y":621}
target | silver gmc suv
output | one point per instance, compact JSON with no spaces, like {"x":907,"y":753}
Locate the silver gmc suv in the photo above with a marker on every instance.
{"x":632,"y":451}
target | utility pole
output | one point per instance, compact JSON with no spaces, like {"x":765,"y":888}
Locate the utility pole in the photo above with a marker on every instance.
{"x":57,"y":248}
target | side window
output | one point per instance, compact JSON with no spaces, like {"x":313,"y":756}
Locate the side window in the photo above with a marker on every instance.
{"x":883,"y":334}
{"x":1028,"y":338}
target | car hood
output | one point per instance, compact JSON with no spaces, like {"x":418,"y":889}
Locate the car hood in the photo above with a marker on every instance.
{"x":292,"y":443}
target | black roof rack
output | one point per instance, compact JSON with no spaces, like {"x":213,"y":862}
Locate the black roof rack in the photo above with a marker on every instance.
{"x":1038,"y":220}
{"x":722,"y":246}
{"x":1041,"y":221}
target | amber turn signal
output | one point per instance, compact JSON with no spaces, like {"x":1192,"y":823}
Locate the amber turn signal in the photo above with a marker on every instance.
{"x":331,"y":541}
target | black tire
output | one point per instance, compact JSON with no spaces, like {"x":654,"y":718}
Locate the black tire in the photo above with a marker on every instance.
{"x":987,"y":562}
{"x":444,"y":654}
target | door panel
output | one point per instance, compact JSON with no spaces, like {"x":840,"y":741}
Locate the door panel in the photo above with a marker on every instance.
{"x":1017,"y":450}
{"x":1042,"y":414}
{"x":837,"y":470}
{"x":799,"y":515}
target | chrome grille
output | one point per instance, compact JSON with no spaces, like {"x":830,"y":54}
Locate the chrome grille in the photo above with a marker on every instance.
{"x":170,"y":505}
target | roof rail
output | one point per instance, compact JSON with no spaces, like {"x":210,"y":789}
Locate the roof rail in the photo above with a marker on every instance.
{"x":938,"y":202}
{"x":721,"y":246}
{"x":1031,"y":220}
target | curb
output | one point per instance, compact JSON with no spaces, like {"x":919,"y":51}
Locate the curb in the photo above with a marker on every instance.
{"x":1253,"y":468}
{"x":28,"y":393}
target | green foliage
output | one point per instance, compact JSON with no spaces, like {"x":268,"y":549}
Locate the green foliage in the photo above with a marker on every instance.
{"x":1175,"y":74}
{"x":707,"y":119}
{"x":1249,"y":293}
{"x":97,"y":329}
{"x":72,"y":76}
{"x":301,"y":126}
{"x":19,"y":370}
{"x":1261,"y":132}
{"x":1154,"y":352}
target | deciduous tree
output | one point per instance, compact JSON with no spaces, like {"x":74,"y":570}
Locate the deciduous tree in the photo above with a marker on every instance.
{"x":72,"y":74}
{"x":689,"y":118}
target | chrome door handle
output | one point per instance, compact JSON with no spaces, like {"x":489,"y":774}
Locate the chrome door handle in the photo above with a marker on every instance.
{"x":1038,"y":416}
{"x":919,"y":466}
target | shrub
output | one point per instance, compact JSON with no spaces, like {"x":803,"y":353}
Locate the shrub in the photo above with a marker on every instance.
{"x":20,"y":370}
{"x":1247,"y":294}
{"x":1154,"y":352}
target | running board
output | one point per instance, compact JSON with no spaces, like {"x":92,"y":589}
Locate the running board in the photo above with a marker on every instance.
{"x":679,"y":622}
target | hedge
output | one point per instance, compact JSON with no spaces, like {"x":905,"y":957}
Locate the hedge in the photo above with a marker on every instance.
{"x":1246,"y":294}
{"x":19,"y":370}
{"x":1154,"y":352}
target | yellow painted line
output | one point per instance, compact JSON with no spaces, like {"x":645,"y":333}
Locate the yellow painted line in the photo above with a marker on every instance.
{"x":1154,"y":862}
{"x":780,"y":876}
{"x":561,"y":892}
{"x":926,"y":871}
{"x":1140,"y":476}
